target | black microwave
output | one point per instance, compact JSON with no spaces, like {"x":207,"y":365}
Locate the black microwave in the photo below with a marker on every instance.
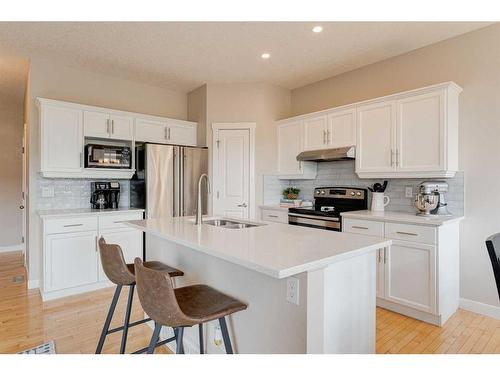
{"x":104,"y":156}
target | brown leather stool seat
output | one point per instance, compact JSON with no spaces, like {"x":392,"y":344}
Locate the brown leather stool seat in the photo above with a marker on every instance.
{"x":182,"y":307}
{"x":121,"y":273}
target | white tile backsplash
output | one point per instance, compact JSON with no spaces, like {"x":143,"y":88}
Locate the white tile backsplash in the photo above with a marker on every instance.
{"x":72,"y":193}
{"x":341,"y":173}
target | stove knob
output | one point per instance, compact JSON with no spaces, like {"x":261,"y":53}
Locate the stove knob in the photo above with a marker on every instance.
{"x":352,"y":193}
{"x":358,"y":194}
{"x":322,"y":192}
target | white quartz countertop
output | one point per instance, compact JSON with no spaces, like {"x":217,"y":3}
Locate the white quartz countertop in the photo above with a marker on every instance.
{"x":276,"y":250}
{"x":84,"y":211}
{"x":400,"y":217}
{"x":274,"y":207}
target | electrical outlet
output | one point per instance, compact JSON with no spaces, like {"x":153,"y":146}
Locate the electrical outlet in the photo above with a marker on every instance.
{"x":48,"y":192}
{"x":409,"y":191}
{"x":292,"y":290}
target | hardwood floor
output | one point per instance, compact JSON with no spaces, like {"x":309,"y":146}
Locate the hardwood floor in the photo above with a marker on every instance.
{"x":74,"y":323}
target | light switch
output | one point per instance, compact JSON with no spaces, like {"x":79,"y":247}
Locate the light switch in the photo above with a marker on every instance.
{"x":409,"y":191}
{"x":48,"y":192}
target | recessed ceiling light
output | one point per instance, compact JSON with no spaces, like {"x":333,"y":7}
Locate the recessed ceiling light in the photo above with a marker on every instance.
{"x":317,"y":29}
{"x":265,"y":55}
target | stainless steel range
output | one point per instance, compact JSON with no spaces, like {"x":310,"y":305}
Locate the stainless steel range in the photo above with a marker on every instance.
{"x":329,"y":203}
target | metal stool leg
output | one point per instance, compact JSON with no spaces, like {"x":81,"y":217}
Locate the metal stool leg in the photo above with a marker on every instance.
{"x":180,"y":340}
{"x":225,"y":335}
{"x":127,"y":318}
{"x":154,"y":338}
{"x":200,"y":334}
{"x":111,"y":311}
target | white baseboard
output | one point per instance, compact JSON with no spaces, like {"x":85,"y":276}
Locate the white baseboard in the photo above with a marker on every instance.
{"x":480,"y":308}
{"x":33,"y":284}
{"x":6,"y":249}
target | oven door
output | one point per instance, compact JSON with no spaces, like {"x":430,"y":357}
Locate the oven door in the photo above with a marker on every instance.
{"x":311,"y":221}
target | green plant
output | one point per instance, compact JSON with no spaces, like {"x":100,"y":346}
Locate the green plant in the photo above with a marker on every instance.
{"x":291,"y":192}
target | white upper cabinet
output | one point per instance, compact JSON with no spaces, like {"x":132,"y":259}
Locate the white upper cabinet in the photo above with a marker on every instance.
{"x":153,"y":131}
{"x":290,"y":144}
{"x":62,"y":139}
{"x":181,"y":132}
{"x":105,"y":125}
{"x":316,"y":133}
{"x":175,"y":132}
{"x":341,"y":131}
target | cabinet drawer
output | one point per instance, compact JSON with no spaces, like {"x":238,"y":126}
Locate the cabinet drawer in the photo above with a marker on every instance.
{"x":75,"y":224}
{"x":275,"y":216}
{"x":116,"y":221}
{"x":369,"y":228}
{"x":413,"y":233}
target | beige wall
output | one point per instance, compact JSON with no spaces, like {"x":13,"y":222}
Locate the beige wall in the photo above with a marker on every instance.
{"x":11,"y":134}
{"x":197,"y":111}
{"x":50,"y":80}
{"x":260,"y":103}
{"x":472,"y":61}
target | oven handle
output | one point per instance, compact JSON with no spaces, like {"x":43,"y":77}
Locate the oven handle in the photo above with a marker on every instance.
{"x":323,"y":218}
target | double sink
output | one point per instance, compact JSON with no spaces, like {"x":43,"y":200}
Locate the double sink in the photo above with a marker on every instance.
{"x":230,"y":224}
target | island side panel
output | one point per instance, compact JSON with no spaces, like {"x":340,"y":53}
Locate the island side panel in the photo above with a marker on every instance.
{"x":342,"y":307}
{"x":271,"y":324}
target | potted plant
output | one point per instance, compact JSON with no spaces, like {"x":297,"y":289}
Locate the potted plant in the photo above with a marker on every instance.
{"x":291,"y":193}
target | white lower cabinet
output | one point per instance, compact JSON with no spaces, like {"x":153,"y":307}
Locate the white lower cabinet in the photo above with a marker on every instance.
{"x":71,"y":261}
{"x":407,"y":271}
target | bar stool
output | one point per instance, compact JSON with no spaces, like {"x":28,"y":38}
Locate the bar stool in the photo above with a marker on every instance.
{"x":123,"y":274}
{"x":493,"y":247}
{"x":182,"y":307}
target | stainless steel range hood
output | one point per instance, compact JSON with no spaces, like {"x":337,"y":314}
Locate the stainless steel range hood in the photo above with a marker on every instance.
{"x":328,"y":154}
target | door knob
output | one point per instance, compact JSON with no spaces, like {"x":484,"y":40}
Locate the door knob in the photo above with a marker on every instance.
{"x":242,"y":205}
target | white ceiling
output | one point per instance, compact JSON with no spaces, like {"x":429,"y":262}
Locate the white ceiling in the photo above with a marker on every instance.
{"x":185,"y":55}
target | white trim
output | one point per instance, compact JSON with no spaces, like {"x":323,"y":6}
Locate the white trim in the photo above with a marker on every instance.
{"x":33,"y":284}
{"x":250,"y":126}
{"x":6,"y":249}
{"x":480,"y":308}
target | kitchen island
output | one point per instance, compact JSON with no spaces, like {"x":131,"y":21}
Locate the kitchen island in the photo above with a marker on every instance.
{"x":308,"y":290}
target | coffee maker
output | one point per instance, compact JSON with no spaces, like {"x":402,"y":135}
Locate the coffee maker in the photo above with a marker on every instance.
{"x":431,"y":199}
{"x":105,"y":195}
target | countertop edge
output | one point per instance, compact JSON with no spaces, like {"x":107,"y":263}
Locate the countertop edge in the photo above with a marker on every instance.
{"x":411,"y":219}
{"x":45,"y":214}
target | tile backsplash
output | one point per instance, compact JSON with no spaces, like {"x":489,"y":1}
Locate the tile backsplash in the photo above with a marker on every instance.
{"x":341,"y":173}
{"x":73,"y":193}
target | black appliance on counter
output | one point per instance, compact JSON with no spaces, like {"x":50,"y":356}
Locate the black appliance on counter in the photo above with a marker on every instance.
{"x":329,"y":203}
{"x":106,"y":156}
{"x":105,"y":195}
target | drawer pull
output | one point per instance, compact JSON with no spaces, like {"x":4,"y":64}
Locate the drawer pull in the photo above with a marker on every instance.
{"x":407,"y":233}
{"x":72,"y":225}
{"x":358,"y":227}
{"x":275,"y":216}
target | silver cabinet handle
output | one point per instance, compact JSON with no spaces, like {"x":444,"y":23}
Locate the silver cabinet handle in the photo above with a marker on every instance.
{"x":324,"y":137}
{"x":112,"y":126}
{"x":107,"y":125}
{"x":96,"y":243}
{"x":275,"y":216}
{"x":169,"y":134}
{"x":385,"y":255}
{"x":72,"y":225}
{"x":328,"y":136}
{"x":392,"y":158}
{"x":300,"y":165}
{"x":397,"y":158}
{"x":242,"y":205}
{"x":407,"y":233}
{"x":165,"y":133}
{"x":81,"y":159}
{"x":356,"y":227}
{"x":378,"y":256}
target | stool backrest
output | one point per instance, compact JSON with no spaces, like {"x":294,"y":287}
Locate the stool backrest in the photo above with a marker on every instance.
{"x":113,"y":264}
{"x":493,"y":246}
{"x":157,"y":297}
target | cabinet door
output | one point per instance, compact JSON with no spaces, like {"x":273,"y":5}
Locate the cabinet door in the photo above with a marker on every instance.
{"x":290,"y":144}
{"x":150,"y":131}
{"x":341,"y":130}
{"x":410,"y":275}
{"x":181,"y":133}
{"x":96,"y":124}
{"x":420,"y":133}
{"x":70,"y":260}
{"x":130,"y":240}
{"x":121,"y":127}
{"x":62,"y":139}
{"x":376,"y":125}
{"x":315,"y":133}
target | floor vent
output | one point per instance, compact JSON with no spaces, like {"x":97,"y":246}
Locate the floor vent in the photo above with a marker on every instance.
{"x":47,"y":348}
{"x":18,"y":279}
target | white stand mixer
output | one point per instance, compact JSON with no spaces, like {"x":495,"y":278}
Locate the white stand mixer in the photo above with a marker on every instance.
{"x":430,"y":200}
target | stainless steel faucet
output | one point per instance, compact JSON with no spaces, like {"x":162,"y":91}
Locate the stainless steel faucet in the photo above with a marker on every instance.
{"x":199,"y":209}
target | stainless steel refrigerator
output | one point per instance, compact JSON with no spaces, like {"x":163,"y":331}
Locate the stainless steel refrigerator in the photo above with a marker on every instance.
{"x":166,"y":181}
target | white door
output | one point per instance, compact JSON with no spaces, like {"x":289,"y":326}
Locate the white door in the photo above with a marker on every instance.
{"x":129,"y":240}
{"x":290,"y":144}
{"x":410,"y":276}
{"x":71,"y":260}
{"x":62,"y":138}
{"x":341,"y":130}
{"x":420,"y":133}
{"x":376,"y":127}
{"x":121,"y":127}
{"x":96,"y":124}
{"x":315,"y":133}
{"x":150,"y":131}
{"x":232,"y":173}
{"x":181,"y":133}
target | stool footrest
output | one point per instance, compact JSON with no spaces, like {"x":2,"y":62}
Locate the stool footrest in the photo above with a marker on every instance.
{"x":159,"y":343}
{"x":130,"y":325}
